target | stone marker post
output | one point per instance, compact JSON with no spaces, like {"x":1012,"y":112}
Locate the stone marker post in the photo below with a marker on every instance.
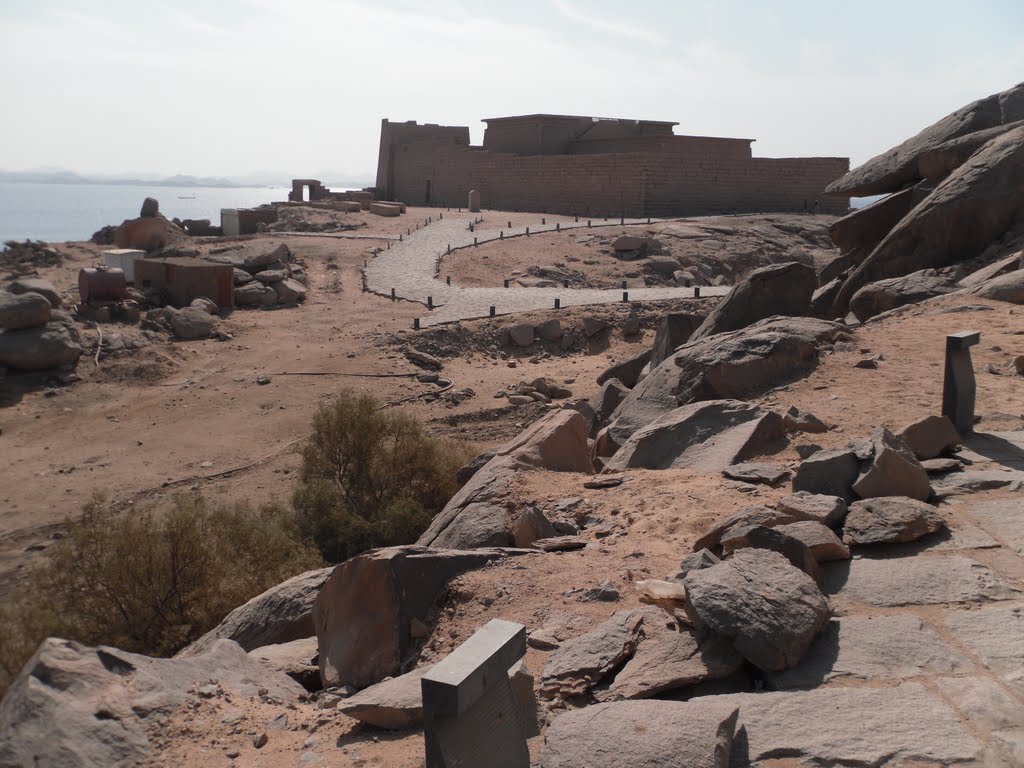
{"x":958,"y":387}
{"x":474,"y":201}
{"x":470,"y":714}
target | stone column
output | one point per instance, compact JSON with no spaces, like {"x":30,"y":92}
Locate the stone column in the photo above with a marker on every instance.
{"x":474,"y":201}
{"x":958,"y":387}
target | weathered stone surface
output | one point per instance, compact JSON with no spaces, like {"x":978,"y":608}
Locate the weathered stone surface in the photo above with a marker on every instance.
{"x":25,"y":310}
{"x":77,"y":706}
{"x":934,"y":165}
{"x":1008,"y":287}
{"x":252,"y":257}
{"x":921,"y":580}
{"x":756,"y":472}
{"x":778,"y":289}
{"x":605,"y":402}
{"x":771,"y":610}
{"x":822,"y":508}
{"x":828,"y":473}
{"x":873,"y":648}
{"x":893,"y":470}
{"x":1002,"y":266}
{"x":1003,"y":518}
{"x":930,"y":436}
{"x":476,"y":516}
{"x":866,"y":227}
{"x":289,"y":291}
{"x":996,"y":635}
{"x":395,"y":704}
{"x":989,"y":705}
{"x":582,"y":662}
{"x":254,"y":295}
{"x":905,"y":725}
{"x":146,"y":233}
{"x":744,"y":518}
{"x":35,"y":285}
{"x":628,"y":371}
{"x":893,"y":169}
{"x":530,"y":526}
{"x":976,"y":480}
{"x":281,"y":614}
{"x":39,"y":349}
{"x":705,"y":437}
{"x":150,"y":208}
{"x":884,"y":295}
{"x":191,"y":323}
{"x":973,"y":207}
{"x":822,"y":542}
{"x":694,"y":561}
{"x":642,"y":734}
{"x":731,"y":365}
{"x":763,"y":537}
{"x":363,"y":611}
{"x":796,"y":420}
{"x":941,"y":466}
{"x":296,"y":658}
{"x":890,"y":520}
{"x":675,"y":329}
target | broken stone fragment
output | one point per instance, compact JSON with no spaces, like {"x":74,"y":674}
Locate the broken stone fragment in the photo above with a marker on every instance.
{"x":890,"y":520}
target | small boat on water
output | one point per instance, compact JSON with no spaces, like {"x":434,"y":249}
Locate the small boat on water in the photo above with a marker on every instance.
{"x":186,"y":197}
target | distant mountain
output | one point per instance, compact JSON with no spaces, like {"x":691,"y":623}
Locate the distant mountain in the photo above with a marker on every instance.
{"x":271,"y":179}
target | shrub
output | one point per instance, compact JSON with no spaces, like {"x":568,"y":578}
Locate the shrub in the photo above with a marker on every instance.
{"x":149,"y":581}
{"x":371,"y":478}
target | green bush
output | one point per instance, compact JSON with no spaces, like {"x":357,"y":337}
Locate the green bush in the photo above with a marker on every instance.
{"x":149,"y":581}
{"x":371,"y":478}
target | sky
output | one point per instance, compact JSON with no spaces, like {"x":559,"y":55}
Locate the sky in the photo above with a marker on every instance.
{"x":299,"y":87}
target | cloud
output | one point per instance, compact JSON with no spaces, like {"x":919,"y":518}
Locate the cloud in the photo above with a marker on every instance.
{"x":642,"y":34}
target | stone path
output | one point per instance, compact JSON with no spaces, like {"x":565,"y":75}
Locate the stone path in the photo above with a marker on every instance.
{"x":923,"y":662}
{"x":410,"y":268}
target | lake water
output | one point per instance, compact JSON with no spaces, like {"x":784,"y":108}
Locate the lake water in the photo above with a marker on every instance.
{"x":59,"y":212}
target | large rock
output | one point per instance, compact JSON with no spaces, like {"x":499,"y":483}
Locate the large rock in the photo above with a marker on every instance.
{"x":705,"y":437}
{"x":973,"y":207}
{"x":819,"y":507}
{"x":770,"y":609}
{"x":607,"y":399}
{"x":36,"y":285}
{"x":883,"y":295}
{"x":893,"y":169}
{"x":827,"y":473}
{"x":744,"y":518}
{"x":252,"y":257}
{"x":296,"y":658}
{"x":820,"y":540}
{"x":893,"y":470}
{"x":146,"y":233}
{"x":363,"y":612}
{"x":670,"y":658}
{"x":890,"y":520}
{"x":41,"y":348}
{"x":775,"y":540}
{"x":24,"y":310}
{"x":866,"y":227}
{"x":75,"y":706}
{"x":778,"y":289}
{"x":1006,"y":264}
{"x":281,"y":614}
{"x":192,"y":323}
{"x":627,"y":371}
{"x":896,"y":726}
{"x":730,"y":365}
{"x":581,"y":663}
{"x":642,"y":734}
{"x":1008,"y":288}
{"x":934,"y":165}
{"x":254,"y":294}
{"x":478,"y":515}
{"x":289,"y":291}
{"x":675,"y":329}
{"x":930,"y":437}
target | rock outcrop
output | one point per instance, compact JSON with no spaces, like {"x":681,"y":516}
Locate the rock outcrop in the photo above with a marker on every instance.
{"x":81,"y":707}
{"x":883,"y":295}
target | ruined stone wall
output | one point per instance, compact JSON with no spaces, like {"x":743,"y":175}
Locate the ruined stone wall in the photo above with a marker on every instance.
{"x":616,"y":184}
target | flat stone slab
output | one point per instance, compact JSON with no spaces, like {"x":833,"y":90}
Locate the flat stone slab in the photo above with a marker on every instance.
{"x":903,"y":725}
{"x":1003,"y":518}
{"x":996,"y":635}
{"x":983,"y":700}
{"x":975,"y":481}
{"x":873,"y":648}
{"x":920,"y":580}
{"x":1006,"y":448}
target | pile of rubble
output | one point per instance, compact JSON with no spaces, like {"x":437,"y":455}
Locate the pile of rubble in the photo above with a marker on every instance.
{"x":24,"y":258}
{"x":265,"y":274}
{"x":35,"y":334}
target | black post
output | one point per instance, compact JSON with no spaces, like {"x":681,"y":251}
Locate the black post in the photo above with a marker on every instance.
{"x":416,"y":324}
{"x":492,"y":311}
{"x":625,"y":295}
{"x":430,"y":302}
{"x":558,"y":303}
{"x":449,"y":279}
{"x":506,"y":283}
{"x":392,"y":294}
{"x":696,"y":291}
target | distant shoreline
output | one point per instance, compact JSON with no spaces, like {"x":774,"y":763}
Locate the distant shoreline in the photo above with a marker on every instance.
{"x":173,"y":181}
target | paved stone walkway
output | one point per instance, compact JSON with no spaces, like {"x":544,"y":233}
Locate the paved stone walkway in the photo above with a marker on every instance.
{"x":410,"y":267}
{"x":923,"y":662}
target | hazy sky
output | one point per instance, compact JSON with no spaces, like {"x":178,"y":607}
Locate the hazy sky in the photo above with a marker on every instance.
{"x":218,"y":87}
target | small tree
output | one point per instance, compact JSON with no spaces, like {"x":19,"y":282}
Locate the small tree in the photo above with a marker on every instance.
{"x":371,"y":477}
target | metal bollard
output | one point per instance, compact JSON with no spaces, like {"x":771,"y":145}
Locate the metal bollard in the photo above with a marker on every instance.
{"x":588,"y":222}
{"x":430,"y":302}
{"x":625,"y":295}
{"x":622,"y":219}
{"x":392,"y":294}
{"x":527,"y":231}
{"x":501,"y":235}
{"x":506,"y":283}
{"x":623,"y":283}
{"x":543,"y":221}
{"x":510,"y":225}
{"x":416,"y":324}
{"x":557,"y":226}
{"x":565,"y":283}
{"x":558,"y":303}
{"x":492,"y":311}
{"x":696,"y":291}
{"x":399,"y":237}
{"x":449,"y":279}
{"x":474,"y":240}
